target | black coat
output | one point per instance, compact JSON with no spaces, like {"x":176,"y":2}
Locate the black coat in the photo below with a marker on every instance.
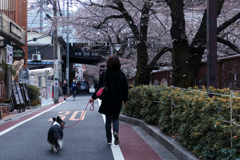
{"x":64,"y":86}
{"x":117,"y":92}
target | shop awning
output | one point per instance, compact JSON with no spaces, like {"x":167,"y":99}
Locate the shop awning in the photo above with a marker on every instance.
{"x":41,"y":62}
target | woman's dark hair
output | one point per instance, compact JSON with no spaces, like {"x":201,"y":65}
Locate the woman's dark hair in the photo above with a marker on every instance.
{"x":113,"y":62}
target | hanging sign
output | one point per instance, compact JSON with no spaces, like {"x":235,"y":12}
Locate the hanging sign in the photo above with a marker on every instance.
{"x":18,"y":53}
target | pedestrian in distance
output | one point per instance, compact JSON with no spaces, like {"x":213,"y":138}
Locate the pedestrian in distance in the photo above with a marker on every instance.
{"x":117,"y":93}
{"x":65,"y":88}
{"x":74,"y":89}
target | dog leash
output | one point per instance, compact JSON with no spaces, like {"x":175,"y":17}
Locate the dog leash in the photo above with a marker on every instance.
{"x":91,"y":109}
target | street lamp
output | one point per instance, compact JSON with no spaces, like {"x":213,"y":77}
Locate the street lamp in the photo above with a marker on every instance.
{"x":117,"y":47}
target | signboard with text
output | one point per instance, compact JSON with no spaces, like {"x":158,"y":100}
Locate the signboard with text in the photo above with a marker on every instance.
{"x":26,"y":93}
{"x":15,"y":93}
{"x":56,"y":68}
{"x":9,"y":55}
{"x":18,"y":53}
{"x":19,"y":93}
{"x":9,"y":29}
{"x":83,"y":50}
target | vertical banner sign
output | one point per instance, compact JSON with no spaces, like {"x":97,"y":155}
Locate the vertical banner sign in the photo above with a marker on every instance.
{"x":19,"y":92}
{"x":15,"y":93}
{"x":55,"y":72}
{"x":9,"y":55}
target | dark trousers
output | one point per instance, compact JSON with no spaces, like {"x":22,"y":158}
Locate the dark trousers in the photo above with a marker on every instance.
{"x":108,"y":126}
{"x":64,"y":91}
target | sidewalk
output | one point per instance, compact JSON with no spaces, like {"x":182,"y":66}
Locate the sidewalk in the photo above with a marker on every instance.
{"x":169,"y":143}
{"x":29,"y":110}
{"x":137,"y":144}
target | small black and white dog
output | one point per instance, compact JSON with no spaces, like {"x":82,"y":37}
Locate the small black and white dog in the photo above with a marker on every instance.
{"x":55,"y":134}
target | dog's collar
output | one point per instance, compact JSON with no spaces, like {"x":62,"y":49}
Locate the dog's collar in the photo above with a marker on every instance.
{"x":56,"y":123}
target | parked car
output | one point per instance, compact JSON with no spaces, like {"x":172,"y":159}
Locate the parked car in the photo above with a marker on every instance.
{"x":82,"y":86}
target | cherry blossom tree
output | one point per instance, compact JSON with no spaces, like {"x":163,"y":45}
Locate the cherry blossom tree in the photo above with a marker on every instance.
{"x":154,"y":33}
{"x":162,"y":26}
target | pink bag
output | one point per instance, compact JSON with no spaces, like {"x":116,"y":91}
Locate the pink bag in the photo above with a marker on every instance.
{"x":100,"y":91}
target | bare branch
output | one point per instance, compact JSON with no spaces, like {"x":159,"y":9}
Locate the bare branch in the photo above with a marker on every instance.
{"x":107,"y":18}
{"x":229,"y":44}
{"x":158,"y":56}
{"x":228,"y":23}
{"x":98,"y":5}
{"x":134,"y":6}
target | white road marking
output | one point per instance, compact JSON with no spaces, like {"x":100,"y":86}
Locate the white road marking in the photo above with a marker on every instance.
{"x":15,"y":126}
{"x":117,"y":153}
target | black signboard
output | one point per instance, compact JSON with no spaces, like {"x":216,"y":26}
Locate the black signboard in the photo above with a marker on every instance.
{"x":18,"y":53}
{"x":19,"y":92}
{"x":83,"y":50}
{"x":15,"y":93}
{"x":10,"y":30}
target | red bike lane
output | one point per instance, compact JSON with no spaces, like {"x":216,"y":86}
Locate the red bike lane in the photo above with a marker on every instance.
{"x":132,"y":145}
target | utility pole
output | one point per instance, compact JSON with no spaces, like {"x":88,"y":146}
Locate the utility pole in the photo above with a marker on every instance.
{"x":55,"y":52}
{"x":41,"y":16}
{"x":67,"y":58}
{"x":212,"y":43}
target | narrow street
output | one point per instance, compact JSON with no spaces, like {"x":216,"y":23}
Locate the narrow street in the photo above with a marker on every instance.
{"x":25,"y":137}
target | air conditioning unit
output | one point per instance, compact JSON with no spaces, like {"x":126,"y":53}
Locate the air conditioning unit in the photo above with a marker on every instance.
{"x":36,"y":57}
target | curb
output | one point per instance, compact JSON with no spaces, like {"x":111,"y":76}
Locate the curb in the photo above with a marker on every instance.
{"x":47,"y":104}
{"x":31,"y":109}
{"x":170,"y":144}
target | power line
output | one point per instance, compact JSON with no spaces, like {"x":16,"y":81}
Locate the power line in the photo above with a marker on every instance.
{"x":40,"y":48}
{"x":34,"y":18}
{"x":42,"y":36}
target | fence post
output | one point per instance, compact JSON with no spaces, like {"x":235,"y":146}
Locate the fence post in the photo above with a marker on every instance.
{"x":231,"y":99}
{"x":172,"y":107}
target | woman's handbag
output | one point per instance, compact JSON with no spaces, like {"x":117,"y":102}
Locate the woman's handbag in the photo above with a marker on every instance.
{"x":102,"y":93}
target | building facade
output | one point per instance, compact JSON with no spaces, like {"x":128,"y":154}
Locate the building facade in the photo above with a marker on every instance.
{"x":13,"y":26}
{"x":41,"y":62}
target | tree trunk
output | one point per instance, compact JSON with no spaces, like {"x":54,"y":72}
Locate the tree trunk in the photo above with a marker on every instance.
{"x":142,"y":76}
{"x":182,"y":75}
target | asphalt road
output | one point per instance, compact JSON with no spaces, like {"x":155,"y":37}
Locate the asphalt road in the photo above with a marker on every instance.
{"x":24,"y":136}
{"x":84,"y":141}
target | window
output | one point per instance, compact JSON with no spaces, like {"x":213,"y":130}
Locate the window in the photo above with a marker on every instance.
{"x":33,"y":80}
{"x":46,"y":52}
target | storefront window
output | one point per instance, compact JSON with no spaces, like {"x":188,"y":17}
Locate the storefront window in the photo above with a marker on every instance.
{"x":34,"y":80}
{"x":43,"y":81}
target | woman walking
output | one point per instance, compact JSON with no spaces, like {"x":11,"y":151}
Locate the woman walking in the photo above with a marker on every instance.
{"x":117,"y":92}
